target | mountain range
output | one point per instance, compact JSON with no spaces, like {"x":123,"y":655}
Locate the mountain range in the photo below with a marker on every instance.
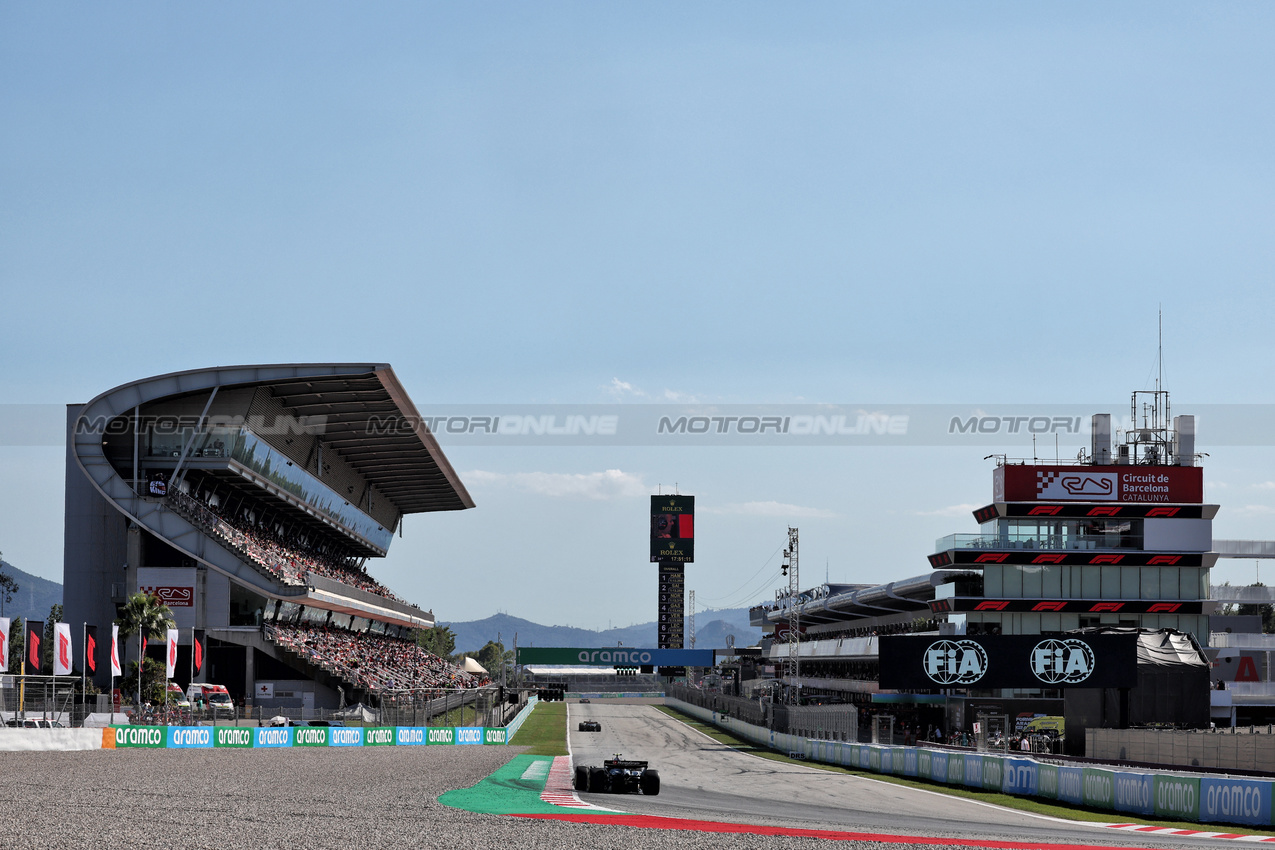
{"x":711,"y":631}
{"x":37,"y":595}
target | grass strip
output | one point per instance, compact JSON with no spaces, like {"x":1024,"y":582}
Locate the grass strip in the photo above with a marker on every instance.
{"x":1009,"y":801}
{"x":544,"y":731}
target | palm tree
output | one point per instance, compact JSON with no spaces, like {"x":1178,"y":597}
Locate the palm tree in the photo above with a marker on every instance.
{"x":146,"y":616}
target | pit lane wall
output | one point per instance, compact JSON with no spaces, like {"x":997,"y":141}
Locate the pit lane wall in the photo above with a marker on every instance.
{"x":1200,"y":799}
{"x":273,"y":737}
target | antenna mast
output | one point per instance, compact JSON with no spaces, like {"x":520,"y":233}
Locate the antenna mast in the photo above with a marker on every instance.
{"x":794,"y":613}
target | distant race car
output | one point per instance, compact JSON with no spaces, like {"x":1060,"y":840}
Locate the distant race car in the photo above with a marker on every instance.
{"x":584,"y":699}
{"x":618,"y":776}
{"x":590,"y":726}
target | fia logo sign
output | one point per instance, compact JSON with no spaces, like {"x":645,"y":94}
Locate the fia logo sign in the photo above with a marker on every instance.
{"x":953,"y":662}
{"x":1062,"y":661}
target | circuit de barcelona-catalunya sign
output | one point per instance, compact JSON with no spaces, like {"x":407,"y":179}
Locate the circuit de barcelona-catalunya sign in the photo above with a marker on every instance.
{"x":616,"y":656}
{"x":1010,"y":661}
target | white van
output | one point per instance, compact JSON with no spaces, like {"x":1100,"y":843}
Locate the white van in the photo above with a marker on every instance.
{"x":214,"y":697}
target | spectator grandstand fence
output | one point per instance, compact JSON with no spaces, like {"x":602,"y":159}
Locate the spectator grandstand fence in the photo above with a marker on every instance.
{"x":419,"y":706}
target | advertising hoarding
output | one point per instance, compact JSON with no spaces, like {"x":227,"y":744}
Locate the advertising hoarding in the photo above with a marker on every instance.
{"x":175,"y":587}
{"x":1137,"y":483}
{"x":613,"y":656}
{"x":1008,"y":661}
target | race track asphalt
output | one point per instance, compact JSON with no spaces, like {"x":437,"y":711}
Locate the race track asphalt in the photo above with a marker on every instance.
{"x":701,"y":778}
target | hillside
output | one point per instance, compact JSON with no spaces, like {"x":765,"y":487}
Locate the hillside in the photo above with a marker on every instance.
{"x":35,"y":595}
{"x":712,"y":627}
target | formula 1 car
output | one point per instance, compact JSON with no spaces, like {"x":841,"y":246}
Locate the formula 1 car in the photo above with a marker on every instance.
{"x":590,"y":726}
{"x":618,"y":776}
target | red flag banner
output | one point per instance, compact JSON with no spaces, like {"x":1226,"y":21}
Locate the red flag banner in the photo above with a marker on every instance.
{"x":35,"y":634}
{"x":90,"y":650}
{"x":4,"y":644}
{"x":199,"y":645}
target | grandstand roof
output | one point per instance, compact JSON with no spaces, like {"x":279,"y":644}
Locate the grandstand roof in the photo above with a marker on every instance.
{"x":369,"y":420}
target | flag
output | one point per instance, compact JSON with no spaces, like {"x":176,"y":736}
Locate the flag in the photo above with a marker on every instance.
{"x":4,"y":644}
{"x":90,"y":650}
{"x":116,"y":670}
{"x":199,"y":645}
{"x":61,"y":649}
{"x":172,"y":653}
{"x":35,"y":634}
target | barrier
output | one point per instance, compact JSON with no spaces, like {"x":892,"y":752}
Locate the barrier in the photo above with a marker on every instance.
{"x":1235,"y":801}
{"x":1134,"y":792}
{"x":28,"y":740}
{"x":1169,"y":796}
{"x":246,"y":737}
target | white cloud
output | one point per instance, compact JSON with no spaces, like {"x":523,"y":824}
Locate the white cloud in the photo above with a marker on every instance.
{"x":951,"y":510}
{"x":1252,"y":510}
{"x":609,"y":484}
{"x":680,"y":397}
{"x":768,"y":509}
{"x":1265,"y":485}
{"x":623,"y":389}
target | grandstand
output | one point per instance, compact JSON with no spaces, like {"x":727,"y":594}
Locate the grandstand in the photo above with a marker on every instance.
{"x":256,"y":500}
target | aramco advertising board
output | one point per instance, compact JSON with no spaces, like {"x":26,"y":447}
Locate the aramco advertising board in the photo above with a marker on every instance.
{"x":616,"y":656}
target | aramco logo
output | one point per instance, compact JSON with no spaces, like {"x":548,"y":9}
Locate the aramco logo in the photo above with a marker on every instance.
{"x":1057,"y":662}
{"x":955,"y":662}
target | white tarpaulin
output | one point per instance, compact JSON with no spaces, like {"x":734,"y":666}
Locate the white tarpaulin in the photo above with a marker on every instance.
{"x":98,"y":719}
{"x":472,"y":666}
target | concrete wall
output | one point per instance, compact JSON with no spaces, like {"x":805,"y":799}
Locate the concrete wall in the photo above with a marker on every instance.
{"x":94,"y":552}
{"x":1221,"y":750}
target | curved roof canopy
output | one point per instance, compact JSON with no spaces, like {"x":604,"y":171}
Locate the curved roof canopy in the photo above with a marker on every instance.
{"x":364,"y":413}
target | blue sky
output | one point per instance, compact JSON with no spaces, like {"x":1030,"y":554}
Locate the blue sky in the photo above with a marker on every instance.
{"x":732,"y":203}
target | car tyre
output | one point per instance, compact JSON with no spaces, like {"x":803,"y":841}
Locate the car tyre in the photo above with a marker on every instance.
{"x":649,"y":783}
{"x":582,"y":778}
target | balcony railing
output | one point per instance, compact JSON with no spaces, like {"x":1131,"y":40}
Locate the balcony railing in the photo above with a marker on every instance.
{"x":1040,"y":541}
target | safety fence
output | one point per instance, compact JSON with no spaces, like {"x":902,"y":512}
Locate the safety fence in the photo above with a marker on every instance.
{"x":266,"y":737}
{"x":1199,"y":799}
